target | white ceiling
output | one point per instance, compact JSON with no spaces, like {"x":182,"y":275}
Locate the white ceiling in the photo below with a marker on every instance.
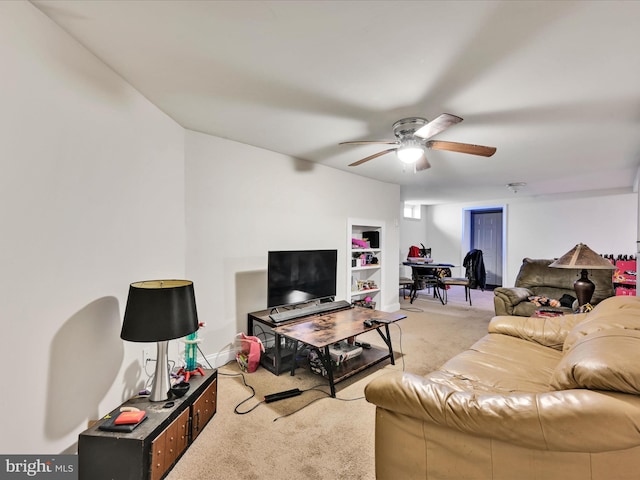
{"x":555,"y":85}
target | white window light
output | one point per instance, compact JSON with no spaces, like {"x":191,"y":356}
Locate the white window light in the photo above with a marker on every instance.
{"x":412,"y":210}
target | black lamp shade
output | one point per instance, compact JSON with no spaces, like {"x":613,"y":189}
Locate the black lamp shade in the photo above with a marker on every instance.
{"x":159,"y":310}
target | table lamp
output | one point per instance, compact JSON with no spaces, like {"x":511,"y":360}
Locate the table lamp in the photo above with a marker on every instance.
{"x":581,"y":257}
{"x":159,"y":311}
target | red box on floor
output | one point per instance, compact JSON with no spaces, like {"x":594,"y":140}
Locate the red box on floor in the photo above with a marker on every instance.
{"x":625,"y":272}
{"x":620,"y":291}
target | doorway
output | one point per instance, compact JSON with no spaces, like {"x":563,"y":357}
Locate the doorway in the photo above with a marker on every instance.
{"x":484,"y":229}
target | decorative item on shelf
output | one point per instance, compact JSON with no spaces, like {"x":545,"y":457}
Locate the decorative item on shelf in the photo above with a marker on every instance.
{"x":358,"y":243}
{"x":159,"y":311}
{"x":581,"y":257}
{"x":366,"y":285}
{"x":372,"y":237}
{"x":366,"y":302}
{"x":369,"y":303}
{"x":191,"y":367}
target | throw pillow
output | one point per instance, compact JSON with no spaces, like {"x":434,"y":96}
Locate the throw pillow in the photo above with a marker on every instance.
{"x":567,"y":300}
{"x":540,"y":301}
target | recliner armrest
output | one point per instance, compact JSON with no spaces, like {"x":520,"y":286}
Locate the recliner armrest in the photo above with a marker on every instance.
{"x":513,"y":295}
{"x":505,"y":299}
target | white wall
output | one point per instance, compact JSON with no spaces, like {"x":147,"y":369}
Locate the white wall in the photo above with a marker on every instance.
{"x":544,"y":227}
{"x":91,"y":199}
{"x":243,"y":201}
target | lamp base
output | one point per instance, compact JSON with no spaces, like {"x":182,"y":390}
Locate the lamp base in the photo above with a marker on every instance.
{"x":161,"y":382}
{"x":584,"y":288}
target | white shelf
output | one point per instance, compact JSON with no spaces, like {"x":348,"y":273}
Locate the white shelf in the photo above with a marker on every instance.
{"x":364,"y":292}
{"x":366,"y":267}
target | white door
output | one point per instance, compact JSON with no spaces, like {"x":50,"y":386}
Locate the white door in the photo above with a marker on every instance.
{"x":486,"y":231}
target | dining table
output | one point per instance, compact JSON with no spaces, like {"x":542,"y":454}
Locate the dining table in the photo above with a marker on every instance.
{"x":426,"y":275}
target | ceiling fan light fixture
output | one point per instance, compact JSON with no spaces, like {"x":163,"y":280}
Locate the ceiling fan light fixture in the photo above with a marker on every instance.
{"x":410,"y":153}
{"x":412,"y":141}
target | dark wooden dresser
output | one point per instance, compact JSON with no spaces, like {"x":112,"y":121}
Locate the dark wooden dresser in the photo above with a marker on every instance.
{"x":153,"y":448}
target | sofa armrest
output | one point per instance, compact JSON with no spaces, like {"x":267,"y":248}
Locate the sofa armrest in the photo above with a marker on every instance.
{"x":577,"y":420}
{"x":505,"y":299}
{"x":547,"y":331}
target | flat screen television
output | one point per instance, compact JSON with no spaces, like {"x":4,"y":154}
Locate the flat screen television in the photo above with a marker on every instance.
{"x":298,"y":276}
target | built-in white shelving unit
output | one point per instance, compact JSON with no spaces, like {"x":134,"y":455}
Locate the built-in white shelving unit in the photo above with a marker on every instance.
{"x":365,"y":264}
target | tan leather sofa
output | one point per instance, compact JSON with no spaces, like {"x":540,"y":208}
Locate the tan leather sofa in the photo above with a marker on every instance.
{"x":536,"y":398}
{"x":536,"y":277}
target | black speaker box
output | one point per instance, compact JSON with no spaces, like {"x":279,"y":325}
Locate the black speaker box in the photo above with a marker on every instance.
{"x":373,"y":237}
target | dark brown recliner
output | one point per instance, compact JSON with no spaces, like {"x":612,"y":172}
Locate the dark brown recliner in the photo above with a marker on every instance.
{"x":537,"y":278}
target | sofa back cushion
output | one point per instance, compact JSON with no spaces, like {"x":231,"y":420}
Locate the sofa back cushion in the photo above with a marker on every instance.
{"x":541,"y":279}
{"x":600,"y":352}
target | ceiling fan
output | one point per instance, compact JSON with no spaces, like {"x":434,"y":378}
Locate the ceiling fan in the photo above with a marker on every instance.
{"x":412,"y":141}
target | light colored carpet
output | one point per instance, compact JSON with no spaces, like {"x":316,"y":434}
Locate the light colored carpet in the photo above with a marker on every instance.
{"x":313,"y":436}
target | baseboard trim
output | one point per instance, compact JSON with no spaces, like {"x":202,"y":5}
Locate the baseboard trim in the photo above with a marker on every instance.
{"x":394,"y":307}
{"x":221,"y":358}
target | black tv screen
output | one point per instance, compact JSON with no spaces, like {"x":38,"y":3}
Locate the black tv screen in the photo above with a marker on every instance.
{"x":297,"y":276}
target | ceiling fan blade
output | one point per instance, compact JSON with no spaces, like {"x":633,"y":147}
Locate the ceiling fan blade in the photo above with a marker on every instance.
{"x":422,"y":163}
{"x":437,"y":125}
{"x":370,"y":142}
{"x":462,"y":148}
{"x":371,"y":157}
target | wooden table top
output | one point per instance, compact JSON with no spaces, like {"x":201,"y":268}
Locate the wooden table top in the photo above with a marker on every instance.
{"x":322,"y":330}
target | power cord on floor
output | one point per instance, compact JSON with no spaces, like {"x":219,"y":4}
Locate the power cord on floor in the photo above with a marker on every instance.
{"x":400,"y":346}
{"x":253,"y":394}
{"x":328,"y":395}
{"x":316,"y":388}
{"x":260,"y":402}
{"x":244,"y":381}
